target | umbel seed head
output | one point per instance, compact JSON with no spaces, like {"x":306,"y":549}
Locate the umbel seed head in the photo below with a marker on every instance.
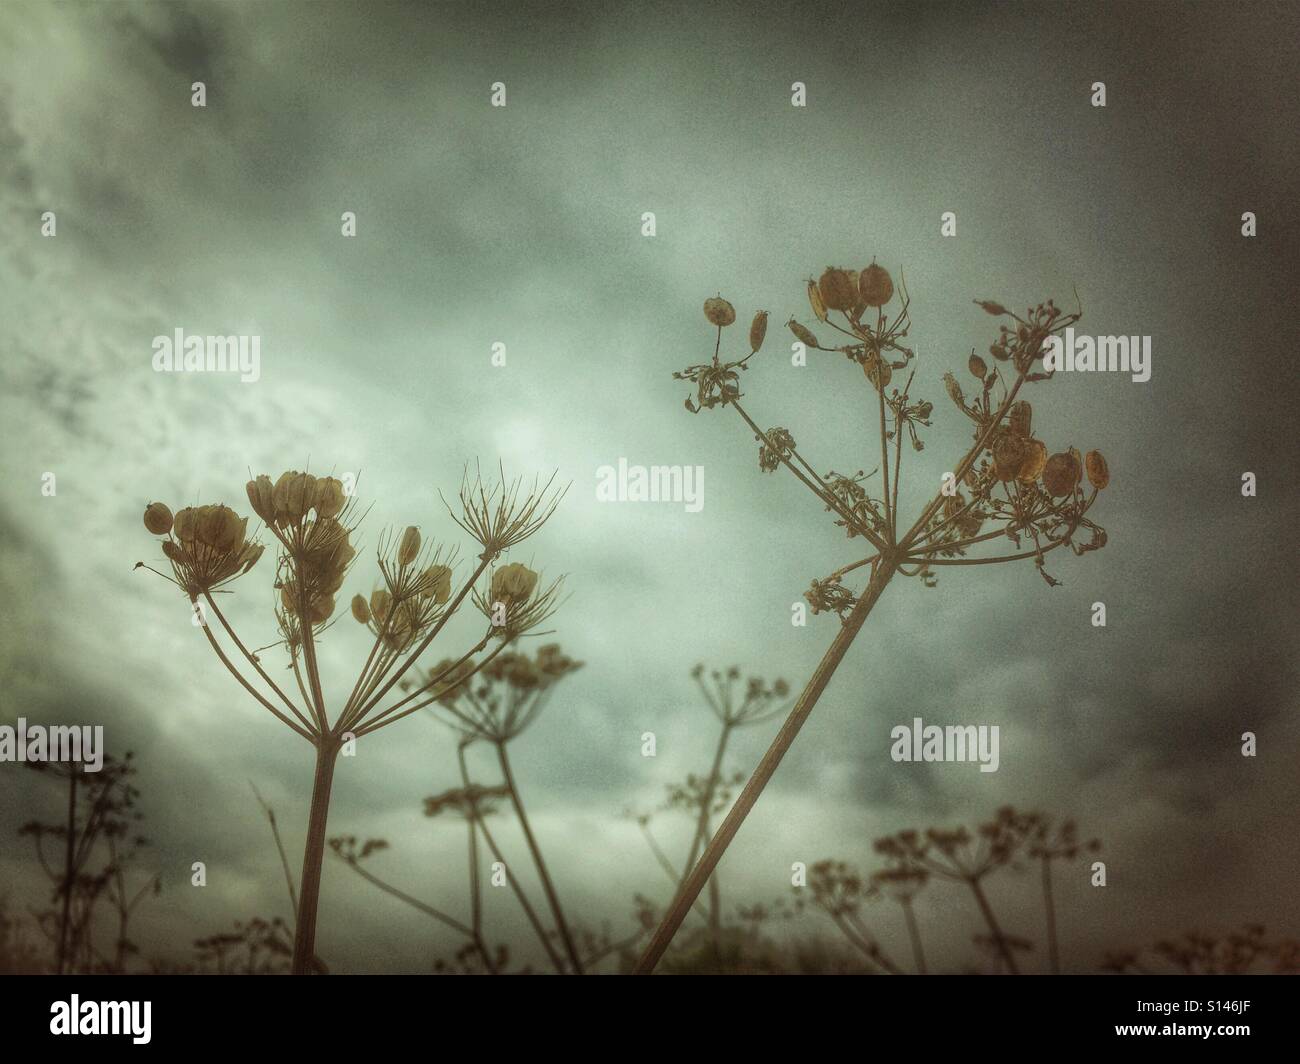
{"x":158,"y":518}
{"x":513,"y":583}
{"x":875,"y":286}
{"x":410,"y":546}
{"x":1098,"y":471}
{"x":836,"y":289}
{"x":719,"y":311}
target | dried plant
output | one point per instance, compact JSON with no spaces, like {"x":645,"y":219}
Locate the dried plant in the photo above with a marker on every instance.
{"x":1005,"y":486}
{"x":1194,"y":953}
{"x":1050,"y":842}
{"x":312,"y":522}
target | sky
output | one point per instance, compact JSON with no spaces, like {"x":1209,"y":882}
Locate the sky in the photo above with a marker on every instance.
{"x":523,"y":225}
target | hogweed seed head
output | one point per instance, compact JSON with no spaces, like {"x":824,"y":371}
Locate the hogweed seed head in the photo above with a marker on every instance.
{"x":513,"y":583}
{"x":837,"y":290}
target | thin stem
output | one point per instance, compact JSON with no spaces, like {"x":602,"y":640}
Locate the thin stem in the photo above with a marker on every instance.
{"x":999,"y":939}
{"x":304,"y":939}
{"x":1054,"y":956}
{"x":914,"y":932}
{"x":248,"y":686}
{"x":414,"y":903}
{"x":68,"y":867}
{"x":799,"y":714}
{"x":549,"y":887}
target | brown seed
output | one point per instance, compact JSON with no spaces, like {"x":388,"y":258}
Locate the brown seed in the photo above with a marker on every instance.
{"x":815,"y":301}
{"x":1061,"y":474}
{"x":719,"y":311}
{"x":380,"y":603}
{"x":954,"y":389}
{"x":409,"y":547}
{"x":184,"y":525}
{"x":360,"y":609}
{"x":977,"y":366}
{"x":803,"y":334}
{"x":1035,"y":459}
{"x":1098,"y":471}
{"x":329,"y":499}
{"x":158,"y":518}
{"x":757,"y":330}
{"x":875,"y":286}
{"x":1009,"y":454}
{"x":836,"y":288}
{"x":513,"y":582}
{"x":1020,"y":418}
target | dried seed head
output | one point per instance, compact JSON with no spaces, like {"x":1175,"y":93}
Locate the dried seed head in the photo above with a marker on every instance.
{"x":1020,"y":418}
{"x":329,"y":500}
{"x":836,"y":289}
{"x":293,"y":495}
{"x":1035,"y":459}
{"x":977,"y":366}
{"x":803,"y":334}
{"x":875,"y":286}
{"x":1061,"y":473}
{"x":719,"y":311}
{"x":410,"y":546}
{"x":1098,"y":471}
{"x":757,"y":330}
{"x":513,"y":583}
{"x":1009,"y":454}
{"x":221,"y":528}
{"x":184,"y":527}
{"x":815,"y":301}
{"x":158,"y":518}
{"x":436,"y":583}
{"x":360,"y":609}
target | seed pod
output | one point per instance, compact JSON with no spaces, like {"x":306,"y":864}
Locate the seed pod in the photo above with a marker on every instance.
{"x":380,"y":603}
{"x":1020,"y":418}
{"x":320,"y":609}
{"x":261,"y":497}
{"x":836,"y":289}
{"x":803,"y":334}
{"x":954,"y":390}
{"x":875,"y":286}
{"x":184,"y":526}
{"x":977,"y":366}
{"x":437,"y":583}
{"x":158,"y":518}
{"x":1035,"y":459}
{"x":999,"y":352}
{"x":757,"y":330}
{"x":513,"y":582}
{"x":294,"y":494}
{"x":719,"y":311}
{"x":1009,"y":454}
{"x":815,"y":301}
{"x":329,"y":499}
{"x":1098,"y":471}
{"x":1061,"y":474}
{"x":991,"y":307}
{"x":360,"y":609}
{"x":410,"y":546}
{"x":249,"y":556}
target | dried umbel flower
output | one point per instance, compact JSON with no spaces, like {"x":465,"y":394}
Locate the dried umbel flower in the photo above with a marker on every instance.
{"x":815,"y":301}
{"x":1098,"y":471}
{"x":977,"y":366}
{"x":513,"y":583}
{"x":757,"y":330}
{"x":410,"y":546}
{"x":719,"y":311}
{"x":875,"y":286}
{"x":158,"y":518}
{"x":360,"y":609}
{"x":837,"y":290}
{"x":803,"y":335}
{"x":1061,"y":474}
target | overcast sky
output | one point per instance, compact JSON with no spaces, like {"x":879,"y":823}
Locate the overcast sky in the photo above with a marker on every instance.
{"x":523,"y":225}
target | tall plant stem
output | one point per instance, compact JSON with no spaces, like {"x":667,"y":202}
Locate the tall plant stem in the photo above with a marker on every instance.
{"x":549,"y":887}
{"x":304,"y":938}
{"x":1053,"y":955}
{"x":998,"y":938}
{"x":67,"y":868}
{"x":915,"y":933}
{"x":821,"y":676}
